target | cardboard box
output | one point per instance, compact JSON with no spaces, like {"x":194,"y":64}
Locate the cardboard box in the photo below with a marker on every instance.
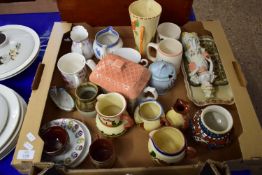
{"x":132,"y":147}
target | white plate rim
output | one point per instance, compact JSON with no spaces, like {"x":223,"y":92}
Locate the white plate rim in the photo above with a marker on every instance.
{"x":31,"y":58}
{"x":4,"y":112}
{"x":14,"y":107}
{"x":12,"y":142}
{"x":88,"y":142}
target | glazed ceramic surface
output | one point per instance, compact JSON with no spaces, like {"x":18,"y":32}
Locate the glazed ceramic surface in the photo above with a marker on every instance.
{"x":116,"y":74}
{"x":62,"y":99}
{"x":144,"y":15}
{"x":3,"y":113}
{"x":108,"y":131}
{"x":149,"y":113}
{"x":81,"y":44}
{"x":163,"y":76}
{"x":77,"y":143}
{"x":167,"y":145}
{"x":169,"y":50}
{"x":86,"y":94}
{"x":18,"y":51}
{"x":72,"y":67}
{"x":199,"y":62}
{"x":102,"y":153}
{"x":168,"y":30}
{"x":131,"y":55}
{"x":11,"y":143}
{"x":85,"y":151}
{"x":178,"y":116}
{"x":223,"y":93}
{"x":14,"y":114}
{"x":212,"y":126}
{"x":106,"y":41}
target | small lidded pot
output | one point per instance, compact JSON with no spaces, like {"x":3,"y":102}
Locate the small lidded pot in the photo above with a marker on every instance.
{"x":163,"y":76}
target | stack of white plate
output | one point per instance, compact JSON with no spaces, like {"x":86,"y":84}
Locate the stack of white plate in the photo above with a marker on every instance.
{"x":12,"y":112}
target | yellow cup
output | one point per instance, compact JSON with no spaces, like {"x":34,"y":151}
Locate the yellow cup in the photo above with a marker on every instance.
{"x":144,"y":15}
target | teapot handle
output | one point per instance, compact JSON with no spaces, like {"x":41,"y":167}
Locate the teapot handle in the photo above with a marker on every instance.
{"x":91,"y":64}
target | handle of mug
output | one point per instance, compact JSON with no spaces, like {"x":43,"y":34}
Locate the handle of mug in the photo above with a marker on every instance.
{"x":152,"y":90}
{"x":130,"y":121}
{"x":91,"y":64}
{"x":191,"y":152}
{"x":144,"y":62}
{"x":154,"y":46}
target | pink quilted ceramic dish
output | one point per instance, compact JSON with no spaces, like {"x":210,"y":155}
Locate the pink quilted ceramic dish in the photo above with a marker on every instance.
{"x":116,"y":74}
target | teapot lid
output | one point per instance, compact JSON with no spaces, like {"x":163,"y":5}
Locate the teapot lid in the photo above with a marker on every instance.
{"x":162,"y":69}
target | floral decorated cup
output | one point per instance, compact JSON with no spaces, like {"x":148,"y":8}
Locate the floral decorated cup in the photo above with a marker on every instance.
{"x":112,"y":118}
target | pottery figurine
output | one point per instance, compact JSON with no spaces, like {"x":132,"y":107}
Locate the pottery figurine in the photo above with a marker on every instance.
{"x":112,"y":118}
{"x":200,"y":63}
{"x":178,"y":115}
{"x":106,"y":41}
{"x":163,"y":76}
{"x":167,"y":145}
{"x":81,"y":43}
{"x":212,"y":126}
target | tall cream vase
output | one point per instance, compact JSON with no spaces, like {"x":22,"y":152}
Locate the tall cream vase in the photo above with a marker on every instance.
{"x":144,"y":15}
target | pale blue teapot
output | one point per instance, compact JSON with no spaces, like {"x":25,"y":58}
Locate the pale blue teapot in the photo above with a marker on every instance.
{"x":163,"y":76}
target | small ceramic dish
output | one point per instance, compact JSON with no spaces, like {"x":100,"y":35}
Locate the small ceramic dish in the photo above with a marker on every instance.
{"x":62,"y":98}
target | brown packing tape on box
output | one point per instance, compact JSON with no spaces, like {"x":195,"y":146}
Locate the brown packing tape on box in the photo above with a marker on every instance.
{"x":132,"y":146}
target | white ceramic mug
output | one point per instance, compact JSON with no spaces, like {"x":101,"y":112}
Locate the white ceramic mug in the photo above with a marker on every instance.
{"x":169,"y":50}
{"x":131,"y":55}
{"x":168,"y":30}
{"x":73,"y":69}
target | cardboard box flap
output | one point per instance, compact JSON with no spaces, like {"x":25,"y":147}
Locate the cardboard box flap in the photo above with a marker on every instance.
{"x":252,"y":132}
{"x":36,"y":105}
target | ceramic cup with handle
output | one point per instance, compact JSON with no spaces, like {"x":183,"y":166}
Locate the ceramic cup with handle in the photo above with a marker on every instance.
{"x":212,"y":126}
{"x":149,"y":113}
{"x":112,"y":118}
{"x":169,"y":50}
{"x":131,"y":55}
{"x":144,"y":15}
{"x":168,"y":30}
{"x":72,"y":66}
{"x":167,"y":145}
